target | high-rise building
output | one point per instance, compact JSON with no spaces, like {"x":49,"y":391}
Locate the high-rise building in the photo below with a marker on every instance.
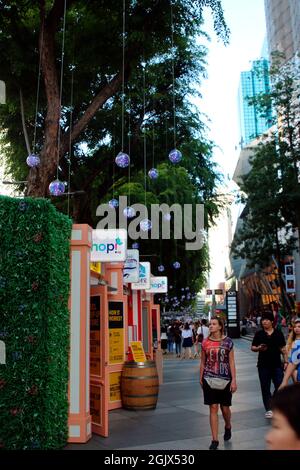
{"x":283,"y":26}
{"x":252,"y":83}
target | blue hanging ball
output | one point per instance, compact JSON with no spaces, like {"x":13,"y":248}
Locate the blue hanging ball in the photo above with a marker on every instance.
{"x":175,"y":156}
{"x":145,"y":225}
{"x":176,"y":265}
{"x":153,"y":173}
{"x":122,"y":160}
{"x":161,"y":268}
{"x":57,"y":188}
{"x":33,"y":160}
{"x":129,"y":212}
{"x":113,"y":203}
{"x":135,"y":246}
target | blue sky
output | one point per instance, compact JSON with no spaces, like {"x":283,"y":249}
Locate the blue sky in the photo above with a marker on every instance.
{"x":246,"y":20}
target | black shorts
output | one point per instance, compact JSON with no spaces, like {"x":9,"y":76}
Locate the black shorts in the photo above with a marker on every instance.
{"x":212,"y":396}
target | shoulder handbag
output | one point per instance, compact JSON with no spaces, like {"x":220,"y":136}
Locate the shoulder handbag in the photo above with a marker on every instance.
{"x":217,"y":383}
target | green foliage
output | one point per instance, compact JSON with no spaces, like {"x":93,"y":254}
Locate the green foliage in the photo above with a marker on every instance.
{"x":97,"y":26}
{"x":34,"y":324}
{"x":173,"y":186}
{"x":271,"y":189}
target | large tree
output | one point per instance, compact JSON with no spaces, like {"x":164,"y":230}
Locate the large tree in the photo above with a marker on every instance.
{"x":92,"y":68}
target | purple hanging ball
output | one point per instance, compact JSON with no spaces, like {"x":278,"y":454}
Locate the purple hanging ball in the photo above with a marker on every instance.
{"x":113,"y":203}
{"x":176,"y":265}
{"x":57,"y":188}
{"x":145,"y":225}
{"x":129,"y":212}
{"x":161,"y":268}
{"x":153,"y":173}
{"x":33,"y":160}
{"x":135,"y":246}
{"x":175,"y":156}
{"x":122,"y":160}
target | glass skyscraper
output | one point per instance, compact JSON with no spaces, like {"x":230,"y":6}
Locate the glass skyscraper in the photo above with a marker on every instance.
{"x":252,"y":83}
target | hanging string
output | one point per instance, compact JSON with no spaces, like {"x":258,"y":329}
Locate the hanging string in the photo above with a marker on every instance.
{"x":38,"y":88}
{"x":123,"y":75}
{"x":129,"y":148}
{"x":61,"y":84}
{"x":153,"y":147}
{"x":144,"y":128}
{"x":173,"y":73}
{"x":114,"y":150}
{"x":70,"y":134}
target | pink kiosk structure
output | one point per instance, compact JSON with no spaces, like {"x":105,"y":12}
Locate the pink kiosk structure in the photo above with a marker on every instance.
{"x":105,"y":316}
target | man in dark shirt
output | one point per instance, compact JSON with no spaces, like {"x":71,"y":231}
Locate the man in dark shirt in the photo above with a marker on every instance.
{"x":270,"y":344}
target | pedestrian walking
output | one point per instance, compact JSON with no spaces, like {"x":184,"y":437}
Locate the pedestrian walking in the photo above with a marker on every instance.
{"x":293,"y":349}
{"x":270,"y":344}
{"x":218,"y":377}
{"x":164,"y":340}
{"x":177,"y":340}
{"x":170,"y":335}
{"x":285,"y":431}
{"x":187,"y":343}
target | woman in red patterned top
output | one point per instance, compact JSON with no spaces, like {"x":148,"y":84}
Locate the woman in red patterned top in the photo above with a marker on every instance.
{"x":218,"y":377}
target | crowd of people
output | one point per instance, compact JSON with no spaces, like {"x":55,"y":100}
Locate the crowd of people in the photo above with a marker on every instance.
{"x":278,"y":363}
{"x":184,"y":338}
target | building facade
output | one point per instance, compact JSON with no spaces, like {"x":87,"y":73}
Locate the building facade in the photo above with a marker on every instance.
{"x":283,"y":26}
{"x":252,"y":83}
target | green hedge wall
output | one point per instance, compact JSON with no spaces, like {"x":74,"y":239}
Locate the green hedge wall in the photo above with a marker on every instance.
{"x":34,"y":324}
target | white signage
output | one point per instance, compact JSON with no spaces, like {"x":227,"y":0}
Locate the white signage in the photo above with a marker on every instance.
{"x":158,"y":284}
{"x":131,"y":266}
{"x":144,"y":277}
{"x":109,"y":245}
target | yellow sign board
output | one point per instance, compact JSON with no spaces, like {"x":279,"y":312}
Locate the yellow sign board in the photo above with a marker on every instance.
{"x":95,"y":267}
{"x":138,"y":351}
{"x":114,"y":386}
{"x":116,"y":346}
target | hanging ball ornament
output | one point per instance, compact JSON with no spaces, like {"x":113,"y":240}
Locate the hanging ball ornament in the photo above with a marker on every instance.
{"x":129,"y":212}
{"x":135,"y":246}
{"x":153,"y":173}
{"x":113,"y":203}
{"x":167,"y":217}
{"x":176,"y":265}
{"x":145,"y":225}
{"x":161,"y":268}
{"x":175,"y":156}
{"x":33,"y":160}
{"x":57,"y":188}
{"x":122,"y":160}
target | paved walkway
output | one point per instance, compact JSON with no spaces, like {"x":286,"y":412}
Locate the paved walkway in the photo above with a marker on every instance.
{"x":180,"y":421}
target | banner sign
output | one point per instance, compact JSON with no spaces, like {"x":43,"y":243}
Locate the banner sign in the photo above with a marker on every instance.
{"x":218,"y":291}
{"x":115,"y":386}
{"x":95,"y":354}
{"x":109,"y":245}
{"x":144,"y":277}
{"x":158,"y":285}
{"x":138,"y":351}
{"x":116,"y":332}
{"x":131,"y":266}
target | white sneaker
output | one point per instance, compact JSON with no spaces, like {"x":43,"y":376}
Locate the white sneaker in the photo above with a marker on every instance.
{"x":269,"y":414}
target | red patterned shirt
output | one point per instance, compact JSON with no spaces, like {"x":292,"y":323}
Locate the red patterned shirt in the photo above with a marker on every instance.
{"x":217,"y":358}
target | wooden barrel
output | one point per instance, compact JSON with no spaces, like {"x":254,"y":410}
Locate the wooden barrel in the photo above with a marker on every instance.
{"x":139,"y":385}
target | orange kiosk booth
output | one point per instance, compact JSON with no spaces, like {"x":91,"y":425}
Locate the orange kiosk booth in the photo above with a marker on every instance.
{"x":105,"y":316}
